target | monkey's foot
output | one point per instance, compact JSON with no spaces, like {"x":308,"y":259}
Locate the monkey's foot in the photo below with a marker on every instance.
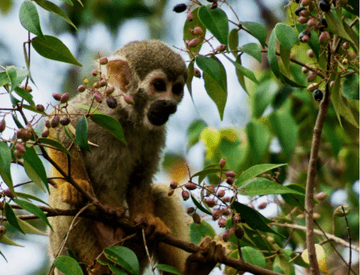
{"x":152,"y":225}
{"x":69,"y":194}
{"x":203,"y":261}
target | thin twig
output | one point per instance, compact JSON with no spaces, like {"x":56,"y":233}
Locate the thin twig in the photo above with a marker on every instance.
{"x":147,"y":251}
{"x":349,"y":233}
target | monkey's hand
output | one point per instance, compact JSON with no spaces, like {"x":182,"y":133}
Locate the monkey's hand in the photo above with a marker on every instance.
{"x":152,"y":225}
{"x":203,"y":261}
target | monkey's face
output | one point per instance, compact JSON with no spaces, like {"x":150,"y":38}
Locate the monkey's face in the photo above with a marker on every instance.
{"x":163,"y":96}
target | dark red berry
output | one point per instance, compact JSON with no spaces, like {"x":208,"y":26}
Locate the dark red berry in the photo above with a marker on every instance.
{"x":2,"y":125}
{"x":55,"y":121}
{"x":56,"y":96}
{"x":318,"y":95}
{"x":64,"y":121}
{"x":298,"y":10}
{"x":64,"y":98}
{"x":180,"y":8}
{"x":111,"y":102}
{"x":40,"y":108}
{"x":324,"y":6}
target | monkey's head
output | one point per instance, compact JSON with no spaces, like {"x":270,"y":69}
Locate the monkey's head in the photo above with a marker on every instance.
{"x":154,"y":75}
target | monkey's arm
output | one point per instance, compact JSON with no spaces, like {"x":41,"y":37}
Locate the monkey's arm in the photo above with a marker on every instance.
{"x":68,"y":193}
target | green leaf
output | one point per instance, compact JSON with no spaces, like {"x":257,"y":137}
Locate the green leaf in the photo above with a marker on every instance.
{"x":167,"y":268}
{"x":5,"y":163}
{"x":263,"y":186}
{"x":191,"y":25}
{"x":246,"y":72}
{"x":29,"y":18}
{"x":354,"y":37}
{"x":6,"y":240}
{"x":52,"y":48}
{"x":234,"y":41}
{"x":314,"y":39}
{"x":30,"y":197}
{"x":272,"y":54}
{"x":124,"y":257}
{"x":286,"y":36}
{"x":259,"y":139}
{"x":253,"y":256}
{"x":216,"y":22}
{"x":285,"y":57}
{"x":32,"y":174}
{"x":114,"y":269}
{"x":194,"y":131}
{"x":36,"y":164}
{"x":350,"y":86}
{"x":68,"y":265}
{"x":253,"y":218}
{"x":28,"y":228}
{"x":240,"y":75}
{"x":199,"y":231}
{"x":81,"y":134}
{"x":335,"y":27}
{"x":54,"y":9}
{"x":199,"y":206}
{"x":4,"y":79}
{"x":215,"y":81}
{"x":16,"y":76}
{"x":290,"y":82}
{"x":25,"y":95}
{"x":253,"y":50}
{"x":28,"y":206}
{"x":111,"y":125}
{"x":254,"y":171}
{"x":342,"y":105}
{"x":256,"y":30}
{"x":190,"y":77}
{"x":353,"y":7}
{"x":285,"y":129}
{"x":54,"y":144}
{"x":11,"y":217}
{"x":295,"y":199}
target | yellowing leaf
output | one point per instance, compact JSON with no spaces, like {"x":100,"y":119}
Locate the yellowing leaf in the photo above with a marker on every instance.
{"x":321,"y":257}
{"x":211,"y":139}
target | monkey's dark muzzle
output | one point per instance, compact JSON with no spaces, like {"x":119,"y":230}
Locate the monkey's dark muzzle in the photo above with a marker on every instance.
{"x":160,"y":111}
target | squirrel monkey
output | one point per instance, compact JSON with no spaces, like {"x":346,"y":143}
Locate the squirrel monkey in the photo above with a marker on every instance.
{"x":120,"y":175}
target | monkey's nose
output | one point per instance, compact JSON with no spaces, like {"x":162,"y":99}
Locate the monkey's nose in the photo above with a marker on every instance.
{"x":160,"y":110}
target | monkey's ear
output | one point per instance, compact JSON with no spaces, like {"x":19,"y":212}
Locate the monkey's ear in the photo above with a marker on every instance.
{"x":119,"y":74}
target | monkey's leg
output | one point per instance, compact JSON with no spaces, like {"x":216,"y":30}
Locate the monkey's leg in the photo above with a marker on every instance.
{"x":172,"y":213}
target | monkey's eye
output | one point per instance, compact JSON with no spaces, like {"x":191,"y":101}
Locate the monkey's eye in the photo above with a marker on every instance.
{"x":177,"y":89}
{"x":160,"y":85}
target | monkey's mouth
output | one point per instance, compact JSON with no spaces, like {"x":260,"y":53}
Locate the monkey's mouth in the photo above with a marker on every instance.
{"x":160,"y":111}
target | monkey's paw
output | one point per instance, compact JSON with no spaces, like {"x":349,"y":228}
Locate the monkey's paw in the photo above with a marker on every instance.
{"x":152,"y":225}
{"x":70,"y":195}
{"x":203,"y":261}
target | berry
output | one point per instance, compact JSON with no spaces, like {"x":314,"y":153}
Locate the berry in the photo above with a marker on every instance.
{"x":173,"y":185}
{"x":311,"y":77}
{"x":20,"y":147}
{"x":262,"y":205}
{"x":190,"y":210}
{"x":303,"y":20}
{"x":222,"y":163}
{"x":103,"y":83}
{"x":40,"y":108}
{"x":45,"y":133}
{"x":64,"y":121}
{"x":304,"y":36}
{"x":185,"y":194}
{"x":196,"y":218}
{"x":216,"y":214}
{"x":230,"y":180}
{"x":2,"y":230}
{"x":128,"y":99}
{"x":323,"y":24}
{"x":64,"y":98}
{"x":239,"y":232}
{"x":85,"y":80}
{"x":304,"y":70}
{"x":228,"y":234}
{"x":197,"y":73}
{"x":321,"y":196}
{"x":311,"y":22}
{"x":20,"y":134}
{"x":2,"y":125}
{"x":109,"y":90}
{"x":230,"y":174}
{"x":346,"y":45}
{"x":198,"y":31}
{"x":57,"y":96}
{"x":55,"y":121}
{"x":306,"y":2}
{"x":214,"y":5}
{"x":318,"y":95}
{"x":222,"y":222}
{"x":312,"y":87}
{"x":298,"y":10}
{"x":98,"y":96}
{"x":190,"y":186}
{"x":221,"y":193}
{"x":324,"y":6}
{"x":18,"y":154}
{"x":221,"y":48}
{"x":94,"y":72}
{"x":193,"y":43}
{"x":210,"y":202}
{"x":47,"y":123}
{"x":103,"y":60}
{"x":111,"y":102}
{"x":180,"y":8}
{"x":171,"y":192}
{"x":81,"y":88}
{"x":324,"y":37}
{"x":8,"y":193}
{"x":190,"y":17}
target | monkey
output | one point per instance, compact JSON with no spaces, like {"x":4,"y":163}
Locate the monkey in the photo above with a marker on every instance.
{"x":121,"y":175}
